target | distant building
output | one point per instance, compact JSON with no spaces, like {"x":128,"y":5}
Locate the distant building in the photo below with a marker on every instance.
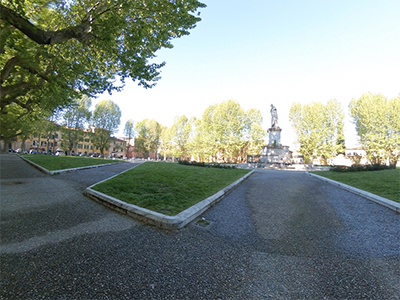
{"x":54,"y":142}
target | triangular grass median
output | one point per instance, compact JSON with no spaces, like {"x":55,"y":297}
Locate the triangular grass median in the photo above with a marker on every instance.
{"x":168,"y":188}
{"x":54,"y":163}
{"x":384,"y":183}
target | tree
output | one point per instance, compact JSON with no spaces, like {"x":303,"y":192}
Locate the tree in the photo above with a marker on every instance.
{"x":106,"y":119}
{"x":74,"y":119}
{"x":229,"y":124}
{"x":129,"y":133}
{"x":319,"y":128}
{"x":54,"y":51}
{"x":226,"y":132}
{"x":254,"y":134}
{"x":179,"y":134}
{"x":205,"y":141}
{"x":165,"y":142}
{"x":377,"y":121}
{"x":148,"y":139}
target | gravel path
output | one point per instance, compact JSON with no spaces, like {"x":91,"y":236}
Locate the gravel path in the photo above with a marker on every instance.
{"x":279,"y":235}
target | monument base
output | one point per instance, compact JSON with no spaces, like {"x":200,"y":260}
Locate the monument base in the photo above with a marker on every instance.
{"x":271,"y":154}
{"x":274,"y":136}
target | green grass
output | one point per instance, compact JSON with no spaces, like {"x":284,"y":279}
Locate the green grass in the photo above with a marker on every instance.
{"x":166,"y":187}
{"x":52,"y":162}
{"x":385,"y":183}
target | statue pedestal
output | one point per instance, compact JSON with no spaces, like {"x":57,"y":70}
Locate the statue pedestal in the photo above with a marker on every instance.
{"x":274,"y":152}
{"x":274,"y":136}
{"x":271,"y":154}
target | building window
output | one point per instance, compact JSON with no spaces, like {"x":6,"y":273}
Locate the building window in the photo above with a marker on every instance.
{"x":80,"y":146}
{"x":91,"y":147}
{"x":87,"y":140}
{"x":56,"y":135}
{"x":43,"y":144}
{"x":55,"y":143}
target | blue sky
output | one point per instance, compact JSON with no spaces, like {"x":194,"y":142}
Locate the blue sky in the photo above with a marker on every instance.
{"x":267,"y":52}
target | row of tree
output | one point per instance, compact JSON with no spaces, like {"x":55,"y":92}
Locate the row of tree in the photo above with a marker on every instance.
{"x":225,"y":132}
{"x":319,"y":127}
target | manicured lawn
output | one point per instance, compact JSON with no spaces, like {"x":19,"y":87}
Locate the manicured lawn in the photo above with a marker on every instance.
{"x":52,"y":162}
{"x":385,"y":183}
{"x":168,"y":188}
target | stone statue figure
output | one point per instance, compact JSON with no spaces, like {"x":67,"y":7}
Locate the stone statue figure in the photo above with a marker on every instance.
{"x":274,"y":117}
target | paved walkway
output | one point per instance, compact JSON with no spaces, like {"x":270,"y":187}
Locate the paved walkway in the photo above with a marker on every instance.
{"x":280,"y":235}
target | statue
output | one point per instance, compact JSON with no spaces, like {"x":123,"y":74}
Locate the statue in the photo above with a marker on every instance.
{"x":274,"y":117}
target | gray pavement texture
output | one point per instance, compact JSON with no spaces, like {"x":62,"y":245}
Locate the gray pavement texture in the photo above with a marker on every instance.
{"x":279,"y":235}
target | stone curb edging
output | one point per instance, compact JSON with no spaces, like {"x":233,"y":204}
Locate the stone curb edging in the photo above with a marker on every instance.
{"x":158,"y":219}
{"x":40,"y":168}
{"x":393,"y":205}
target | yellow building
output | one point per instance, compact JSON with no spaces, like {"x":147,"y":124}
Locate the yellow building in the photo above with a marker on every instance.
{"x":54,"y":143}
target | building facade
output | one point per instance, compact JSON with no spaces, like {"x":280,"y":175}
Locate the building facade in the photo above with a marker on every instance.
{"x":54,"y":143}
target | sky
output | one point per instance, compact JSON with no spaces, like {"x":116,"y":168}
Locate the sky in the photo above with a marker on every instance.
{"x":263,"y":52}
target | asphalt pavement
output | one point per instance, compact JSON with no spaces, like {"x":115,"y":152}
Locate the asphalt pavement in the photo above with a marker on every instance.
{"x":279,"y":235}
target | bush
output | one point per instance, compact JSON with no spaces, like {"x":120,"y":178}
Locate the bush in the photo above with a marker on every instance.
{"x":358,"y":168}
{"x":208,"y":165}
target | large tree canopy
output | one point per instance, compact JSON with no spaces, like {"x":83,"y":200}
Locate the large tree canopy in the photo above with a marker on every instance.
{"x":148,"y":137}
{"x":319,"y":128}
{"x":53,"y":51}
{"x":227,"y":131}
{"x":377,"y":121}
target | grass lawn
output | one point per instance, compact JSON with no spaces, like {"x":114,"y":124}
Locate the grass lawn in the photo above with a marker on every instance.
{"x":168,"y":188}
{"x":385,"y":183}
{"x":53,"y":162}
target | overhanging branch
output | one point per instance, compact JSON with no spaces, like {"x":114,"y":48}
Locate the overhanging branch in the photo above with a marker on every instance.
{"x":40,"y":36}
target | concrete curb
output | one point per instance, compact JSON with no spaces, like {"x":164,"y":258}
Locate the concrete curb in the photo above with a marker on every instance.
{"x":393,"y":205}
{"x":40,"y":168}
{"x":158,"y":219}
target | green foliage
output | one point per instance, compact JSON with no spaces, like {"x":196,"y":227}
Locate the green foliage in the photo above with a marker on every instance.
{"x":148,"y":137}
{"x":165,"y":142}
{"x":168,"y":188}
{"x":359,"y":168}
{"x":105,"y":119}
{"x":377,"y":121}
{"x":207,"y":165}
{"x":129,"y":133}
{"x":74,"y":118}
{"x":227,"y":132}
{"x":319,"y":128}
{"x":54,"y":51}
{"x":129,"y":129}
{"x":254,"y":134}
{"x":179,"y":134}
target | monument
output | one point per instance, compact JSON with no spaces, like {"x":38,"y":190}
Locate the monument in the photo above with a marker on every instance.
{"x":274,"y":152}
